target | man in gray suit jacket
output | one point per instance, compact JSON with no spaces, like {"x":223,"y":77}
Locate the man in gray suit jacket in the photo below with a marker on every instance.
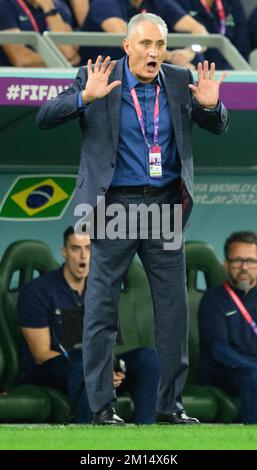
{"x":136,"y":121}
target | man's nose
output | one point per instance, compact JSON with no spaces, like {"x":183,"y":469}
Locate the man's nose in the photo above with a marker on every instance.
{"x":244,"y":267}
{"x":153,"y":51}
{"x":83,"y":254}
{"x":244,"y":264}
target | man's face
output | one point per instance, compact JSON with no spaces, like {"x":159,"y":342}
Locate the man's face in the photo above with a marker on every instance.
{"x":77,"y":254}
{"x":146,"y":49}
{"x":242,"y":265}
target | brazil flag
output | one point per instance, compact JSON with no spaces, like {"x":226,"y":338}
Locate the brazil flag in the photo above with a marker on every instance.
{"x":38,"y":197}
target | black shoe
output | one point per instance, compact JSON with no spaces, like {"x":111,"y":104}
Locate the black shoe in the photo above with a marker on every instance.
{"x":180,"y":417}
{"x":107,"y":415}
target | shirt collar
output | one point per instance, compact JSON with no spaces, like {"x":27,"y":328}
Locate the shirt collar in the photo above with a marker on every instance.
{"x":132,"y":81}
{"x":253,"y":290}
{"x":64,"y":284}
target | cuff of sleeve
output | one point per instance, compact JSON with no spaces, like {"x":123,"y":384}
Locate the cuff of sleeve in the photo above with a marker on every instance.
{"x":214,"y":110}
{"x":81,"y":105}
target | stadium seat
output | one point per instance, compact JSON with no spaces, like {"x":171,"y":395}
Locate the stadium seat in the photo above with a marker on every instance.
{"x":20,"y":262}
{"x":204,"y":268}
{"x":135,"y":311}
{"x":24,"y":403}
{"x":208,"y":404}
{"x":22,"y":259}
{"x":137,"y":327}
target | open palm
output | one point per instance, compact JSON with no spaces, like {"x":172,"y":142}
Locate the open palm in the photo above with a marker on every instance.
{"x":98,"y":76}
{"x":206,"y":92}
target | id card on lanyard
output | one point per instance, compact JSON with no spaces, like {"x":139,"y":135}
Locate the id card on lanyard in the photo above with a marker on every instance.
{"x":155,"y":161}
{"x":154,"y":151}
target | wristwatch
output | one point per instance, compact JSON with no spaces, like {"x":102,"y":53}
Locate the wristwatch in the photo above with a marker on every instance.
{"x":51,"y":12}
{"x":209,"y":110}
{"x":213,"y":109}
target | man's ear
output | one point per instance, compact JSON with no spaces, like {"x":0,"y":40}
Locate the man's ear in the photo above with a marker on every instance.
{"x":225,"y":264}
{"x":126,"y":46}
{"x":64,"y":252}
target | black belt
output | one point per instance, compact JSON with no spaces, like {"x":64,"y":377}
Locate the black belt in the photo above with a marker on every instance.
{"x":146,"y":190}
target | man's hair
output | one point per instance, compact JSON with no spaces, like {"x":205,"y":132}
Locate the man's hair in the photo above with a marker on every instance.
{"x":147,"y":17}
{"x":241,"y":237}
{"x":68,"y":232}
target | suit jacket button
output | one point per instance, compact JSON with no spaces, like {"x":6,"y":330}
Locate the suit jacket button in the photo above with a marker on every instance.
{"x":112,"y":165}
{"x":103,"y":189}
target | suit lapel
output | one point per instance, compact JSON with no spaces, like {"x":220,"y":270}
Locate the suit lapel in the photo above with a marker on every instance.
{"x":171,"y":87}
{"x":114,"y":102}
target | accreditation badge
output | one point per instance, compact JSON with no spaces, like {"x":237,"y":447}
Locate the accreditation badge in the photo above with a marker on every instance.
{"x":155,"y":161}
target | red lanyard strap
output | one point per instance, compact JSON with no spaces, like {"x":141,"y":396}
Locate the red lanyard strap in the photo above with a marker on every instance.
{"x":205,"y":5}
{"x":240,"y":306}
{"x":220,"y":9}
{"x":221,"y":13}
{"x":28,"y":12}
{"x":140,"y":115}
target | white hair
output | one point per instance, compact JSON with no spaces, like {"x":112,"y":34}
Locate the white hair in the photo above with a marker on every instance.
{"x":148,"y":17}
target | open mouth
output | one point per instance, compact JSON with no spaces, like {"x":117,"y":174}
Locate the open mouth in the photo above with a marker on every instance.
{"x":243,"y":277}
{"x":151,"y":66}
{"x":82,"y":266}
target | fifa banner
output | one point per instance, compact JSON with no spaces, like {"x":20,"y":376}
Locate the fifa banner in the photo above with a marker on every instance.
{"x":37,"y":198}
{"x":30,"y":91}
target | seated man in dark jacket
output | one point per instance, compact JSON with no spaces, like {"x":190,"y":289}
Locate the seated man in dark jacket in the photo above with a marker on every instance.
{"x":226,"y":17}
{"x":114,"y":15}
{"x":38,"y":16}
{"x":44,"y":358}
{"x":228,"y":330}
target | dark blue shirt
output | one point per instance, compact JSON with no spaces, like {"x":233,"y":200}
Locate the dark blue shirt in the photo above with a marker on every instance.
{"x":38,"y":303}
{"x":236,"y":27}
{"x":101,"y":10}
{"x":13,"y":16}
{"x":132,"y":166}
{"x":68,"y":4}
{"x":252,"y":26}
{"x":169,"y":10}
{"x":226,"y":339}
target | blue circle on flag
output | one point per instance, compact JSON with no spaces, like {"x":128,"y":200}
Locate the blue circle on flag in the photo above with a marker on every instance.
{"x":40,"y":196}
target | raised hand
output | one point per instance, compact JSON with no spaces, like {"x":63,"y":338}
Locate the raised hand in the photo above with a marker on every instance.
{"x":206,"y":92}
{"x":97,"y":82}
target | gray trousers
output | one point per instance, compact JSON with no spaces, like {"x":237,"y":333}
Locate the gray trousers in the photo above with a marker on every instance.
{"x":110,"y":260}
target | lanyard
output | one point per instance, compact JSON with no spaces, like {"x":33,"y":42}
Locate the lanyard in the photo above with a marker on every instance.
{"x":28,"y":12}
{"x":140,"y":115}
{"x":221,"y":13}
{"x":241,"y":307}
